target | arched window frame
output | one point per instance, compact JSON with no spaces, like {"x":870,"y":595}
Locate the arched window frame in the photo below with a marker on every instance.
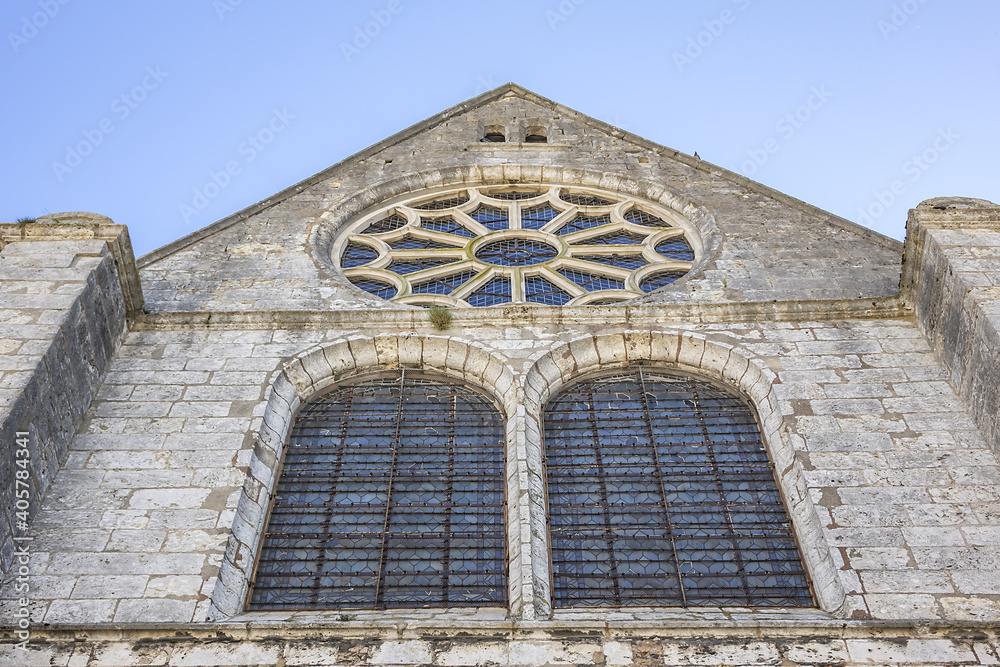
{"x":521,"y":393}
{"x":731,"y":390}
{"x":362,"y":379}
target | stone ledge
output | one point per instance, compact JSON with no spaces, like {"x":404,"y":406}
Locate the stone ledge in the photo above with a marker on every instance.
{"x":521,"y":315}
{"x":80,"y":226}
{"x":243,"y":628}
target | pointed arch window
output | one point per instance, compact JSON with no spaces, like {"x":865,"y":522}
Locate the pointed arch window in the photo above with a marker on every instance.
{"x":391,"y":495}
{"x":661,"y":493}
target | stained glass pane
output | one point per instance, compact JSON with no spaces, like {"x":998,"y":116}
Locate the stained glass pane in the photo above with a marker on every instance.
{"x":676,"y":248}
{"x":493,"y":293}
{"x":662,"y":279}
{"x":590,"y":281}
{"x":403,"y":267}
{"x":661,"y":493}
{"x":516,"y":252}
{"x":413,"y":243}
{"x":357,"y":254}
{"x":584,"y":200}
{"x":615,"y":238}
{"x":391,"y":495}
{"x":638,"y":217}
{"x":537,"y":216}
{"x":445,"y":226}
{"x":379,"y":288}
{"x":540,"y":290}
{"x":443,"y":285}
{"x":514,"y":195}
{"x":584,"y":222}
{"x":387,"y":224}
{"x":622,"y":261}
{"x":492,"y":218}
{"x":441,"y":204}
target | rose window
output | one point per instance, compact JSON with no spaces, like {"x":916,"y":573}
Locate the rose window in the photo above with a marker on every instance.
{"x":538,"y":244}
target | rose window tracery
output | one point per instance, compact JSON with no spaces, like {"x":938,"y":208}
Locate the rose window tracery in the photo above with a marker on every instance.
{"x":539,"y":244}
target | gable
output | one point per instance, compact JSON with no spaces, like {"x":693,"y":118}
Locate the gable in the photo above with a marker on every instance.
{"x":758,"y":244}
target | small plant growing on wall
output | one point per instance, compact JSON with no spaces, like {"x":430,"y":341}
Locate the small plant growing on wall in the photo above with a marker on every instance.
{"x":440,"y":317}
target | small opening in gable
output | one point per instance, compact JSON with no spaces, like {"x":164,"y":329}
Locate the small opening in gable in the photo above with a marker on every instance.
{"x":494,"y":134}
{"x":536,"y":135}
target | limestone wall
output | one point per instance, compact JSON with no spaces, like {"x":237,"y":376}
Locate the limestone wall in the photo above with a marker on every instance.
{"x":860,"y":415}
{"x":62,"y":316}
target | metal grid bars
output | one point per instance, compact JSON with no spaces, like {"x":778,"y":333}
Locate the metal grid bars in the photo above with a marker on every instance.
{"x":537,"y":217}
{"x":582,"y":222}
{"x":660,"y":493}
{"x":546,"y":245}
{"x":540,"y":290}
{"x":493,"y":293}
{"x":516,"y":252}
{"x":356,"y":254}
{"x":391,"y":495}
{"x":379,"y":288}
{"x":660,"y":279}
{"x":445,"y":226}
{"x":584,"y":200}
{"x":515,"y":195}
{"x":494,"y":219}
{"x":676,"y":249}
{"x":443,"y":203}
{"x":387,"y":224}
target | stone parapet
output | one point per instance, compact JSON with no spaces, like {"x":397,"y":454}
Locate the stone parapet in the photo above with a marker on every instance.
{"x":67,"y":284}
{"x":951,"y":275}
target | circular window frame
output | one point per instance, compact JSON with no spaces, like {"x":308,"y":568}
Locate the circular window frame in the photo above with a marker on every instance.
{"x":460,"y":249}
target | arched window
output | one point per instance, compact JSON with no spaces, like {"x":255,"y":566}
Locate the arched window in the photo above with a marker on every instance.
{"x":391,"y":494}
{"x":661,"y":493}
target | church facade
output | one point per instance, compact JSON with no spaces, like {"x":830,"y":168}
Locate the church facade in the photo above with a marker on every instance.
{"x":510,"y":387}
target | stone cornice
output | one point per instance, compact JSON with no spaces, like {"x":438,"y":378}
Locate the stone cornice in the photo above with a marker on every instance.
{"x":628,"y":316}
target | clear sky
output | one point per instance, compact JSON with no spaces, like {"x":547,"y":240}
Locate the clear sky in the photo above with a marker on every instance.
{"x":124,"y":108}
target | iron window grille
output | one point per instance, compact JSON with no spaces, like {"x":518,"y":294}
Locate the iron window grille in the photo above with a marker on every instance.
{"x":391,"y":495}
{"x":495,"y":245}
{"x":660,"y":492}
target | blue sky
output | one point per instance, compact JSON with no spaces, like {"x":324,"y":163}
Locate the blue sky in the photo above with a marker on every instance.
{"x":863,"y":108}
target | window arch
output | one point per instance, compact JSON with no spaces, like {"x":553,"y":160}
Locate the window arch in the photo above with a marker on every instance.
{"x":391,"y":495}
{"x":660,"y":492}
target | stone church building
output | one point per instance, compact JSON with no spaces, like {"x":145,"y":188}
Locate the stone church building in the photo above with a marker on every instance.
{"x":511,"y":387}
